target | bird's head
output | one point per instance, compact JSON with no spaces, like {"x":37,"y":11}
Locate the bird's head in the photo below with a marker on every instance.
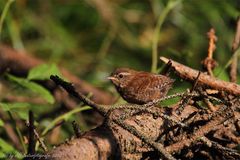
{"x":121,"y":76}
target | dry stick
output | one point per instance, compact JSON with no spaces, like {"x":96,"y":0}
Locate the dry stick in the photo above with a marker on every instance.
{"x":44,"y":147}
{"x":207,"y":101}
{"x":195,"y":82}
{"x":31,"y":141}
{"x":158,"y":146}
{"x":71,"y":90}
{"x":190,"y":74}
{"x":159,"y":114}
{"x":235,"y":45}
{"x":149,"y":104}
{"x":168,"y":97}
{"x":76,"y":129}
{"x":185,"y":100}
{"x":148,"y":110}
{"x":145,"y":107}
{"x":218,"y":119}
{"x":38,"y":138}
{"x":209,"y":63}
{"x":219,"y":147}
{"x":166,"y":70}
{"x":103,"y":110}
{"x":231,"y":136}
{"x":210,"y":106}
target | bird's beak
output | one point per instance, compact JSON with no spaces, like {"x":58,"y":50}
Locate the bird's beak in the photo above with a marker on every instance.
{"x":112,"y":78}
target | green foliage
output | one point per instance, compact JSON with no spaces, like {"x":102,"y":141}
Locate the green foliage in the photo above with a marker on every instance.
{"x":18,"y":108}
{"x":91,"y":39}
{"x":1,"y":123}
{"x":43,"y":72}
{"x":170,"y":5}
{"x":34,"y":87}
{"x":64,"y":117}
{"x":7,"y":151}
{"x":4,"y":13}
{"x":14,"y":106}
{"x":221,"y":73}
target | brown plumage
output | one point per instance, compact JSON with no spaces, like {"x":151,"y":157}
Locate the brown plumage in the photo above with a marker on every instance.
{"x":140,"y":87}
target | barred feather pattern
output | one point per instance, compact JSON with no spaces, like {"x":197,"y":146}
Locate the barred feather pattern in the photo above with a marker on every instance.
{"x":141,"y":87}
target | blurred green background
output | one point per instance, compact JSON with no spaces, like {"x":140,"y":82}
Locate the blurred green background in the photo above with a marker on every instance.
{"x":79,"y":33}
{"x":92,"y":37}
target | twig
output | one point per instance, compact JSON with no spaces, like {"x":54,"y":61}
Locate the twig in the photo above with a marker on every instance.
{"x":235,"y":46}
{"x":166,"y":69}
{"x":182,"y":139}
{"x":209,"y":63}
{"x":218,"y":118}
{"x":158,"y":146}
{"x":149,"y":104}
{"x":76,"y":129}
{"x":148,"y":110}
{"x":42,"y":144}
{"x":159,"y":114}
{"x":207,"y":101}
{"x":219,"y":147}
{"x":169,"y":97}
{"x":38,"y":138}
{"x":31,"y":141}
{"x":103,"y":110}
{"x":195,"y":82}
{"x":190,"y":74}
{"x":209,"y":105}
{"x":185,"y":99}
{"x":71,"y":90}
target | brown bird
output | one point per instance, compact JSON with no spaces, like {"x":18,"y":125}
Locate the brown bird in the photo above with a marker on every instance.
{"x":140,"y":87}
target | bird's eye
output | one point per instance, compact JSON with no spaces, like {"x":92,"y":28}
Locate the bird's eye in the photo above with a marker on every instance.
{"x":120,"y":76}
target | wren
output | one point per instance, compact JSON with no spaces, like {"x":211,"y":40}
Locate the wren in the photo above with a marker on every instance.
{"x":140,"y":87}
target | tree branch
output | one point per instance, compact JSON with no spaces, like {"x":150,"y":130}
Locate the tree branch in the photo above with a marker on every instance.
{"x":191,"y":74}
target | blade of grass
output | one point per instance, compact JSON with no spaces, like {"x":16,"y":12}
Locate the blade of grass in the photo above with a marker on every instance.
{"x":170,"y":5}
{"x":106,"y":44}
{"x":63,"y":117}
{"x":20,"y":136}
{"x":236,"y":53}
{"x":15,"y":34}
{"x":7,"y":149}
{"x":4,"y":13}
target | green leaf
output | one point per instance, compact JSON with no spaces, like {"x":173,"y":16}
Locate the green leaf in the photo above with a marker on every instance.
{"x":65,"y":117}
{"x":34,"y":87}
{"x":221,"y":73}
{"x":14,"y":106}
{"x":43,"y":72}
{"x":6,"y":149}
{"x":19,"y":108}
{"x":23,"y":115}
{"x":1,"y":123}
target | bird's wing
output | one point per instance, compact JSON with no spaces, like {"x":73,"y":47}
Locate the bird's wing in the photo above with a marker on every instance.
{"x":160,"y":81}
